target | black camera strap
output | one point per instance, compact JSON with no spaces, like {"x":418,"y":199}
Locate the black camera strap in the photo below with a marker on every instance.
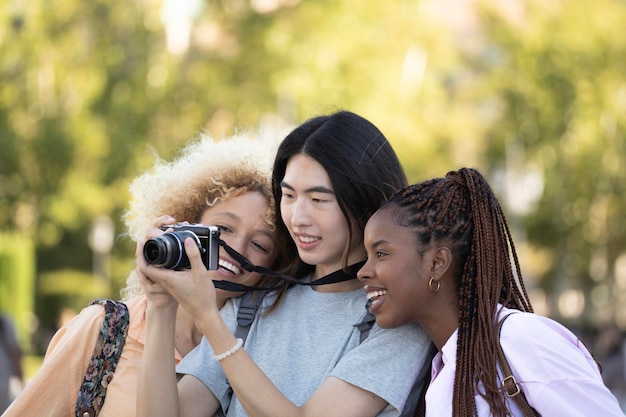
{"x":250,"y":303}
{"x":335,"y":277}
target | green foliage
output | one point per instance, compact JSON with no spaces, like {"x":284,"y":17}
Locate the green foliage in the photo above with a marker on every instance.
{"x":90,"y":93}
{"x":562,"y":98}
{"x":17,"y":280}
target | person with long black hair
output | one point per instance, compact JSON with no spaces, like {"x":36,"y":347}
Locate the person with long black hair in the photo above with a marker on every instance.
{"x":307,"y":357}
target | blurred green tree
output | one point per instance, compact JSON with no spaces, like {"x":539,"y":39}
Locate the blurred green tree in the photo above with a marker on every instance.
{"x":553,"y":74}
{"x":92,"y":92}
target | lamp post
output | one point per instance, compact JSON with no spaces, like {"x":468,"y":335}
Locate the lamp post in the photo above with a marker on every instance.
{"x":101,"y":238}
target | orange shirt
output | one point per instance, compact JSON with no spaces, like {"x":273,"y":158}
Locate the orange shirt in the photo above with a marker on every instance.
{"x":53,"y":390}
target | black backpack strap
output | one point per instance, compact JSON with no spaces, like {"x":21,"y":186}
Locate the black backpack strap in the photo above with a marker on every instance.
{"x":104,"y":359}
{"x":248,"y":306}
{"x":365,"y":325}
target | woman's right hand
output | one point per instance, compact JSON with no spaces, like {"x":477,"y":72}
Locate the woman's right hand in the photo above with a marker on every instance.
{"x":157,"y":296}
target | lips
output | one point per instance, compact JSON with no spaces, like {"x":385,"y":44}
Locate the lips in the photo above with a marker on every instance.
{"x":306,"y":242}
{"x":229,"y":267}
{"x":375,"y":297}
{"x":375,"y":294}
{"x":307,"y":239}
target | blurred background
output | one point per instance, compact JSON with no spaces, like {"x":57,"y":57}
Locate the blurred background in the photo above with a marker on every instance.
{"x":530,"y":92}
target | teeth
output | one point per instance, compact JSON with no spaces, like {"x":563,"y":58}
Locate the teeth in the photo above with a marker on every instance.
{"x":307,"y":239}
{"x":374,"y":294}
{"x":232,"y":268}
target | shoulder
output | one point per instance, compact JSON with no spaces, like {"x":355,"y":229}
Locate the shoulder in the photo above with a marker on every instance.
{"x":387,"y":363}
{"x":114,"y":311}
{"x":79,"y":333}
{"x":544,"y":348}
{"x":89,"y":315}
{"x":410,"y":333}
{"x":534,"y":327}
{"x":408,"y":344}
{"x":84,"y":327}
{"x":136,"y":308}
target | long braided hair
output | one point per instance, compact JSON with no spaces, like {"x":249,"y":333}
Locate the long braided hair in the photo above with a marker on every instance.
{"x":462,"y":210}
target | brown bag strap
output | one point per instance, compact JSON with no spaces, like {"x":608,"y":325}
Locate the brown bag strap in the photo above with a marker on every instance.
{"x":509,"y":383}
{"x":104,"y":359}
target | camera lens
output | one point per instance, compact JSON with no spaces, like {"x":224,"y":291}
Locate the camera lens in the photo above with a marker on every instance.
{"x":168,"y":251}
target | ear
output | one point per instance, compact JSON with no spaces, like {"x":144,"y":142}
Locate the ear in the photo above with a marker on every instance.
{"x":442,"y":260}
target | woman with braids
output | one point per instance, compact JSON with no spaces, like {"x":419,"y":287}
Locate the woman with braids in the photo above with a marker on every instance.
{"x":440,"y":254}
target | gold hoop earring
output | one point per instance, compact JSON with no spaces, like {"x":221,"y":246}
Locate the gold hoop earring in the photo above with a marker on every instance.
{"x":430,"y":285}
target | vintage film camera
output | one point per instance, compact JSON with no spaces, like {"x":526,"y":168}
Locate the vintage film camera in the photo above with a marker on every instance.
{"x":168,"y":250}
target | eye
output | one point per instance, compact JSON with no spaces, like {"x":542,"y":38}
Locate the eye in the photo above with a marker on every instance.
{"x":321,"y":198}
{"x":260,"y":246}
{"x":379,"y":254}
{"x":225,"y":229}
{"x":287,"y":194}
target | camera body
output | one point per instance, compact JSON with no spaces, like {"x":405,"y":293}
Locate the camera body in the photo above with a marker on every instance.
{"x":168,"y":250}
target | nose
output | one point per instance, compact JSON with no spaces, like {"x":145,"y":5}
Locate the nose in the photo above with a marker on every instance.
{"x":300,"y":213}
{"x":238,"y":243}
{"x":365,"y":272}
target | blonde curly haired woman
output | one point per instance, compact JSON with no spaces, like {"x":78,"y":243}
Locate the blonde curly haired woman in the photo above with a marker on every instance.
{"x":221,"y":183}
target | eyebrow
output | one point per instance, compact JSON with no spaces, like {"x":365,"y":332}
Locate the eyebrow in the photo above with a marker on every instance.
{"x":316,"y":189}
{"x":378,"y":243}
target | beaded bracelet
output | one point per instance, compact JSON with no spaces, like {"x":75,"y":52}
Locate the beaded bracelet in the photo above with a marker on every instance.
{"x":230,"y":351}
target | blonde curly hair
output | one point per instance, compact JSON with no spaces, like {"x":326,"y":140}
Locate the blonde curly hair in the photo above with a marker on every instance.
{"x":207,"y":171}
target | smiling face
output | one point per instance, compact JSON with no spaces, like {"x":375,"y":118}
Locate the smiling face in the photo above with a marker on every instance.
{"x":311,"y":213}
{"x":397,"y":271}
{"x":243,"y":226}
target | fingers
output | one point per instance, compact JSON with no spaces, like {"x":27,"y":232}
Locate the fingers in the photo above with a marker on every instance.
{"x":200,"y":297}
{"x":141,"y":264}
{"x":199,"y":270}
{"x":158,"y":225}
{"x":139,"y":252}
{"x":150,"y":280}
{"x":193,"y":253}
{"x":163,"y":220}
{"x":144,"y":270}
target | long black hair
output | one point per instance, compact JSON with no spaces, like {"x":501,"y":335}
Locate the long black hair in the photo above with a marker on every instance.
{"x":362,"y":166}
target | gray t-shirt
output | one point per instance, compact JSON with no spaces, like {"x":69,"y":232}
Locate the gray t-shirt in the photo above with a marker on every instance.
{"x":312,"y":336}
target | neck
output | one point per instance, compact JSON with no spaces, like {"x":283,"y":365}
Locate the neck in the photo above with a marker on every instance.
{"x":442,"y":323}
{"x":345,"y":286}
{"x":338,"y":280}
